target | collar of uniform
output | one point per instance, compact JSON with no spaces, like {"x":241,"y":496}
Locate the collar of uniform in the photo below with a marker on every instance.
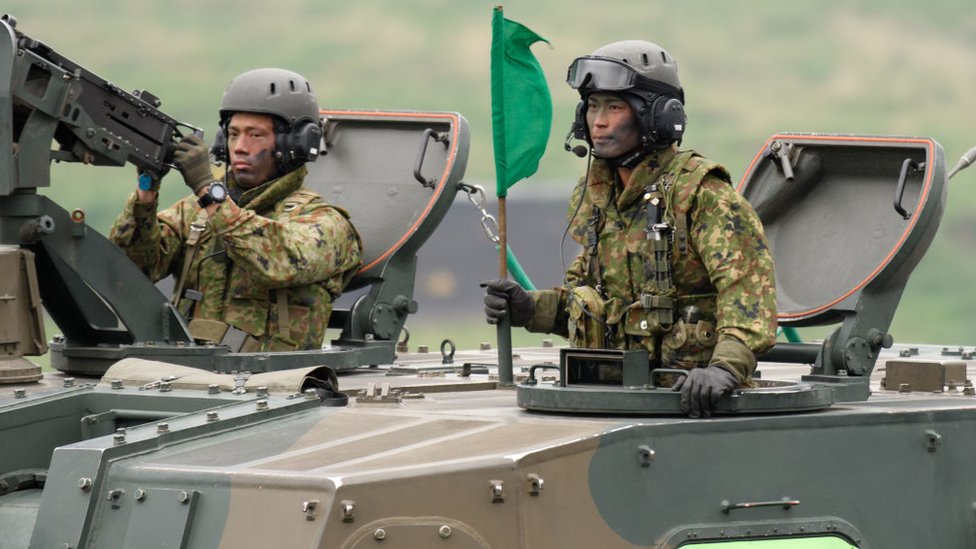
{"x":644,"y":174}
{"x":268,"y":194}
{"x":603,"y":177}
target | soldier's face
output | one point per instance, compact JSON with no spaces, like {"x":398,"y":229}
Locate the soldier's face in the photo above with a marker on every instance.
{"x":251,"y":143}
{"x":612,"y":124}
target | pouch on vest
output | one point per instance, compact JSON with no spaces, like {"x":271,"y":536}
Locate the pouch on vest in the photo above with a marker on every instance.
{"x":587,"y":315}
{"x":215,"y":332}
{"x":688,"y":344}
{"x":650,"y":316}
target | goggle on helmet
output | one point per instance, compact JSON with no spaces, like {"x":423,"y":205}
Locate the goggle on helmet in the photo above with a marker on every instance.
{"x":591,"y":74}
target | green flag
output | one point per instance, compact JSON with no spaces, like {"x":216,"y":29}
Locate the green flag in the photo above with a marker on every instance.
{"x":521,"y":108}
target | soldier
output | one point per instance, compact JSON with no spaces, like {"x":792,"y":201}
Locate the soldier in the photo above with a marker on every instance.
{"x":257,"y":257}
{"x":674,"y":261}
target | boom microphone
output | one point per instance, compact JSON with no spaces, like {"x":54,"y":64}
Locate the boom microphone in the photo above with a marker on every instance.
{"x":578,"y":150}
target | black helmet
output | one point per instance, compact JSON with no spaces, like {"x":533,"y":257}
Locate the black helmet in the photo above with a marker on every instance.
{"x":646,"y":76}
{"x":288,"y":98}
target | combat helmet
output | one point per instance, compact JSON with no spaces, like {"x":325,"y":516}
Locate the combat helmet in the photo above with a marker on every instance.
{"x":646,"y":76}
{"x":288,"y":97}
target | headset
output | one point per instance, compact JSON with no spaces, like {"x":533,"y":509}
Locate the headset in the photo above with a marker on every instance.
{"x":661,"y":119}
{"x":294,"y":145}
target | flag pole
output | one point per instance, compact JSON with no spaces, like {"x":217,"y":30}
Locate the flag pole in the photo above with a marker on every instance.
{"x":521,"y":114}
{"x":503,"y":330}
{"x":503,"y":333}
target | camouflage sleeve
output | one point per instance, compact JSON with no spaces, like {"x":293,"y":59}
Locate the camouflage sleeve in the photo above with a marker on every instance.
{"x":153,"y":242}
{"x":551,"y":314}
{"x":317,"y":244}
{"x":732,"y":244}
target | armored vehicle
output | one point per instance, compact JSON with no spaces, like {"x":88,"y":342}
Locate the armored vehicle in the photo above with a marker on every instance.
{"x":143,"y":438}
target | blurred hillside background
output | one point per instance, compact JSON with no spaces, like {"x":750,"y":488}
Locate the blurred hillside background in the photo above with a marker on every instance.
{"x":750,"y":68}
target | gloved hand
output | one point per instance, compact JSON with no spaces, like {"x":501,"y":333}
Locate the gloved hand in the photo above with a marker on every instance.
{"x":701,"y":389}
{"x":147,"y":181}
{"x":504,"y":295}
{"x":192,"y":158}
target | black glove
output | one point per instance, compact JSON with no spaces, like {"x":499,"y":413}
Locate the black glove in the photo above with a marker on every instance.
{"x":192,"y":158}
{"x":504,"y":295}
{"x":701,"y":389}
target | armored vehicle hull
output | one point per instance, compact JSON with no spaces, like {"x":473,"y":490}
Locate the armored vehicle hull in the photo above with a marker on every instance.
{"x":426,"y":455}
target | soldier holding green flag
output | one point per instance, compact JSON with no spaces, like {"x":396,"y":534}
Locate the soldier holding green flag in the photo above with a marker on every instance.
{"x":674,"y":261}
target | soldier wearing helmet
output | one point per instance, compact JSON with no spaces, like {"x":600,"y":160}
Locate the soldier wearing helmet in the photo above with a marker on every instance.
{"x":258,"y":257}
{"x":674,"y":261}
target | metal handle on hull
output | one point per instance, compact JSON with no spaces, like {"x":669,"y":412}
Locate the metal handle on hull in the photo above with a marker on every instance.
{"x":785,"y":503}
{"x":440,"y":138}
{"x":907,"y":165}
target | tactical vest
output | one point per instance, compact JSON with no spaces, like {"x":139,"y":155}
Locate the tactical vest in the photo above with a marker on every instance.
{"x":250,"y":316}
{"x":650,"y":289}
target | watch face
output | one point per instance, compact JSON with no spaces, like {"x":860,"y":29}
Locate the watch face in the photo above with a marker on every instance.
{"x":218,"y":191}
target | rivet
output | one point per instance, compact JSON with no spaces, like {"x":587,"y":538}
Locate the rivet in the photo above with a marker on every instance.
{"x":536,"y":483}
{"x":497,"y":491}
{"x":646,"y":454}
{"x":85,"y":483}
{"x":444,"y":531}
{"x":348,"y":510}
{"x":308,"y":507}
{"x":379,"y":534}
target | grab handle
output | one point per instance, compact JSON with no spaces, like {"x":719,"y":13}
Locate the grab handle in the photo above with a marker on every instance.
{"x":440,"y":138}
{"x":908,"y":166}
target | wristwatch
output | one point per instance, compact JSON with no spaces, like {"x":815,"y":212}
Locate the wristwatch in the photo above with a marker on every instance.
{"x":216,"y":193}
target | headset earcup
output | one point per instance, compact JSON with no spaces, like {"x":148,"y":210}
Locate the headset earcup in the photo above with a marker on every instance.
{"x":306,"y":137}
{"x":300,"y":144}
{"x":219,"y":149}
{"x":579,"y":129}
{"x":669,"y":119}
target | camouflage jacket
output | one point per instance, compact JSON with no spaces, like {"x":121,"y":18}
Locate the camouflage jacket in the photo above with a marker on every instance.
{"x":269,"y":264}
{"x":719,"y":304}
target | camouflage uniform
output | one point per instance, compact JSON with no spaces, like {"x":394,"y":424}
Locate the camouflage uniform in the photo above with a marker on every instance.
{"x":722,"y":305}
{"x":269,"y":264}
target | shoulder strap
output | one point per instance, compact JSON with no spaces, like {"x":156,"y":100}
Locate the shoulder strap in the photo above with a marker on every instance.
{"x":197,"y":227}
{"x":693,"y":170}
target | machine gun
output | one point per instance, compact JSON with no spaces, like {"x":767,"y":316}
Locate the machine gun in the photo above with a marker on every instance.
{"x":92,"y":120}
{"x":91,"y":290}
{"x":105,"y":307}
